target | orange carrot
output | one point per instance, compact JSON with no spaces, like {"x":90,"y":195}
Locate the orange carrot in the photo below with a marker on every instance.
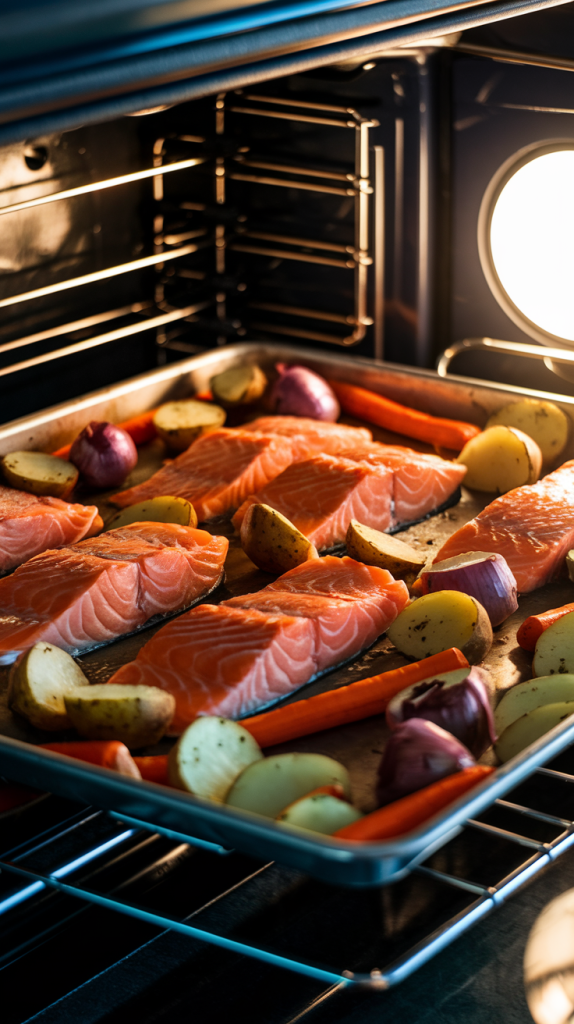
{"x":13,"y":795}
{"x":534,"y":625}
{"x":383,"y":412}
{"x":411,"y":811}
{"x":361,"y":699}
{"x":106,"y":753}
{"x":140,"y":428}
{"x":153,"y":768}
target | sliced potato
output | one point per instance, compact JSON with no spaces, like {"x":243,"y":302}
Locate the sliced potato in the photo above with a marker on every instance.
{"x":40,"y":474}
{"x":376,"y":548}
{"x":179,"y":424}
{"x":535,"y":693}
{"x":530,"y":727}
{"x":319,"y":812}
{"x":209,"y":756}
{"x":271,"y":785}
{"x":271,"y":541}
{"x":39,"y":680}
{"x":543,"y":421}
{"x":499,"y":459}
{"x":435,"y":622}
{"x":554,"y":651}
{"x":241,"y":385}
{"x":164,"y":509}
{"x":136,"y":715}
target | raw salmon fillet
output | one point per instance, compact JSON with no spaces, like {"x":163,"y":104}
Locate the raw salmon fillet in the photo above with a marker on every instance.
{"x":311,"y":437}
{"x":90,"y":593}
{"x":237,"y":657}
{"x":421,"y":483}
{"x":29,"y":525}
{"x":321,"y":495}
{"x":532,"y":526}
{"x":217,"y":471}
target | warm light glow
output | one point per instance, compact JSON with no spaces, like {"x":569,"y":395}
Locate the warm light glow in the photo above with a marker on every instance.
{"x":532,"y":241}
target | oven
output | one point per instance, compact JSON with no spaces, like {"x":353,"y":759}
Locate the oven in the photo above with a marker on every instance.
{"x":177,"y":179}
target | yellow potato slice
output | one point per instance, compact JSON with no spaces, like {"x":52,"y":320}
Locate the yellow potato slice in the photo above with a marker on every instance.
{"x":535,"y":693}
{"x":39,"y":681}
{"x":136,"y":715}
{"x":376,"y":548}
{"x":164,"y":509}
{"x":209,"y":756}
{"x":438,"y":621}
{"x":40,"y":474}
{"x":554,"y":651}
{"x":499,"y":459}
{"x":529,"y":728}
{"x":179,"y":424}
{"x":544,"y":422}
{"x":241,"y":385}
{"x":271,"y":785}
{"x":271,"y":541}
{"x":319,"y":812}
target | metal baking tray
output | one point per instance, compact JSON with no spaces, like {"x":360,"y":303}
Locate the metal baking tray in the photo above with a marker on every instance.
{"x":358,"y":745}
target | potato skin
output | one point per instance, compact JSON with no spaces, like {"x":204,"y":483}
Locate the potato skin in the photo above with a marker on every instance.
{"x":499,"y":459}
{"x":375,"y":548}
{"x":240,"y":385}
{"x":37,"y":683}
{"x":179,"y":424}
{"x":544,"y":422}
{"x":554,"y":651}
{"x":138,"y":718}
{"x":271,"y":541}
{"x":40,"y":474}
{"x":162,"y":509}
{"x":444,"y":619}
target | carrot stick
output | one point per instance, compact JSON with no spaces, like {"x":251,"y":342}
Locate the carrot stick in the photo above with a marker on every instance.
{"x":534,"y":625}
{"x":361,"y":699}
{"x":140,"y":428}
{"x":383,"y":412}
{"x":106,"y":753}
{"x":13,"y":795}
{"x":153,"y":768}
{"x":411,"y":811}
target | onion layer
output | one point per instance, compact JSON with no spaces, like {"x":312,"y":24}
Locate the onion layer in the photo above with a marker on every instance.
{"x":104,"y":454}
{"x":483,"y":575}
{"x":417,"y":754}
{"x":300,"y":392}
{"x":457,"y":701}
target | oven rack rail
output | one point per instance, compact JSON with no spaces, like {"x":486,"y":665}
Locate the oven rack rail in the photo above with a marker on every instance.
{"x":121,"y":828}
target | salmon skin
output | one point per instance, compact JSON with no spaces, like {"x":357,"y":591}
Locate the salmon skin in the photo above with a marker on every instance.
{"x":29,"y":525}
{"x":311,"y":437}
{"x":88,"y":594}
{"x":531,"y":526}
{"x":238,"y":657}
{"x":217,"y":471}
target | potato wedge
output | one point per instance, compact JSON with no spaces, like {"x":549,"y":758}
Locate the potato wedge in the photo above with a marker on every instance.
{"x":40,"y":474}
{"x":38,"y":682}
{"x":271,"y":541}
{"x":241,"y":385}
{"x":179,"y":424}
{"x":435,"y":622}
{"x":135,"y":715}
{"x":499,"y":459}
{"x":271,"y":785}
{"x":529,"y":728}
{"x":164,"y":509}
{"x":319,"y":812}
{"x":554,"y":651}
{"x":543,"y":421}
{"x":209,"y":756}
{"x":535,"y":693}
{"x":376,"y":548}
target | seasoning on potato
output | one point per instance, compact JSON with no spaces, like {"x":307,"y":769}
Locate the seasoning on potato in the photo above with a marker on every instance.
{"x":179,"y":424}
{"x":136,"y":715}
{"x":554,"y":651}
{"x":209,"y":756}
{"x":272,"y":542}
{"x":241,"y":385}
{"x":39,"y":681}
{"x":543,"y":421}
{"x":375,"y":548}
{"x":500,"y":459}
{"x":40,"y":474}
{"x":164,"y":509}
{"x":435,"y":622}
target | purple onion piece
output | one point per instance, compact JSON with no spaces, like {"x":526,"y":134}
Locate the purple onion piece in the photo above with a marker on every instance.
{"x":417,"y":754}
{"x":300,"y":392}
{"x":104,"y":454}
{"x":457,"y":701}
{"x":484,"y":575}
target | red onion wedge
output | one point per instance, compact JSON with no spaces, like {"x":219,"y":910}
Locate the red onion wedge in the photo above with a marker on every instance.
{"x":417,"y":754}
{"x":483,"y":575}
{"x":457,"y":701}
{"x":300,"y":392}
{"x":104,"y":454}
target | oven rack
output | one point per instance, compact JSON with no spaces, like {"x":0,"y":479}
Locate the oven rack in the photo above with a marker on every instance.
{"x":516,"y":835}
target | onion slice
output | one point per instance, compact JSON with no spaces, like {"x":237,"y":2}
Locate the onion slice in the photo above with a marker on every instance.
{"x":484,"y":575}
{"x":300,"y":392}
{"x":417,"y":754}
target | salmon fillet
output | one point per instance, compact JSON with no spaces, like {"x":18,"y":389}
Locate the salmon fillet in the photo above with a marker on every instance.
{"x":237,"y":657}
{"x":29,"y":525}
{"x":217,"y":471}
{"x":532,"y":526}
{"x":311,"y":437}
{"x":321,"y":495}
{"x":99,"y":589}
{"x":421,"y":483}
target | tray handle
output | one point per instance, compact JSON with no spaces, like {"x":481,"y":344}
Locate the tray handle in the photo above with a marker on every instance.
{"x":517,"y":348}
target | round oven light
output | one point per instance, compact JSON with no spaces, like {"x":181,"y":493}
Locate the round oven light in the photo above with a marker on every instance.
{"x":526,"y":238}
